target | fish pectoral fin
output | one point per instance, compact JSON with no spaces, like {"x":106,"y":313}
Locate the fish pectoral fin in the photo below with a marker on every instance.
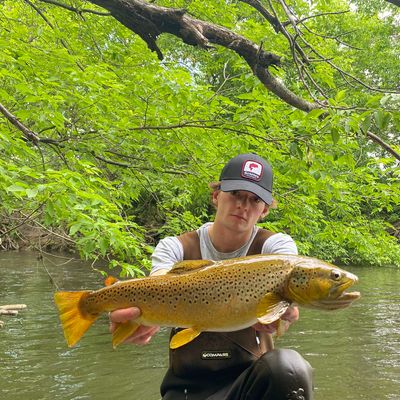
{"x":123,"y":331}
{"x":271,"y":308}
{"x":282,"y":327}
{"x":186,"y":266}
{"x":183,"y":337}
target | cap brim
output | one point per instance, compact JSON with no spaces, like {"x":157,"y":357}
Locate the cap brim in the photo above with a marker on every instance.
{"x":263,"y":194}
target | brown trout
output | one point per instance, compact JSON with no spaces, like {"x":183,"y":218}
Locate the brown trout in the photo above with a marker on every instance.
{"x":204,"y":295}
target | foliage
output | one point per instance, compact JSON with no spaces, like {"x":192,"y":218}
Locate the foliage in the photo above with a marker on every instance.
{"x":132,"y":142}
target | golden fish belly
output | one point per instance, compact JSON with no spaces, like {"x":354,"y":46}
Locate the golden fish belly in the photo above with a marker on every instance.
{"x":219,"y":299}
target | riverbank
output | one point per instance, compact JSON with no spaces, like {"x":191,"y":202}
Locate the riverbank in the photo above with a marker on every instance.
{"x":19,"y":232}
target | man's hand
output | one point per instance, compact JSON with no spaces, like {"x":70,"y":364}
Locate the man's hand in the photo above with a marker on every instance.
{"x":142,"y":335}
{"x":282,"y":325}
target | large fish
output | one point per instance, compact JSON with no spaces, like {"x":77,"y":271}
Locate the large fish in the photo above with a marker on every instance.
{"x":205,"y":295}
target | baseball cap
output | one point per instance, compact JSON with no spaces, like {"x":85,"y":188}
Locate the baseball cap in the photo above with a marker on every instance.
{"x":248,"y":172}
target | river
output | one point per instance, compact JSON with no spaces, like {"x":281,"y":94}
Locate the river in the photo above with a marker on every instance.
{"x":355,"y":352}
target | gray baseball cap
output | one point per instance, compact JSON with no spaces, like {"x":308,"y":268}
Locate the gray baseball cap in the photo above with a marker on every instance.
{"x":248,"y":172}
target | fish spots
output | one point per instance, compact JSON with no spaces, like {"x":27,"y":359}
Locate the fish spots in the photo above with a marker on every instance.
{"x":301,"y":277}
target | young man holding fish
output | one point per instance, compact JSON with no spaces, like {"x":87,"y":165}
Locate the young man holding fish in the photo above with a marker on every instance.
{"x":222,"y":366}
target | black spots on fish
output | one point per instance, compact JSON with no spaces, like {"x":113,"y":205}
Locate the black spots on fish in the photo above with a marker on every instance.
{"x":227,"y":298}
{"x":105,"y":295}
{"x":301,"y":277}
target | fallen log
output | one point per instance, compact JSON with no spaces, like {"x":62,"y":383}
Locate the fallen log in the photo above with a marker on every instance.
{"x":13,"y":307}
{"x":8,"y":312}
{"x":10,"y":309}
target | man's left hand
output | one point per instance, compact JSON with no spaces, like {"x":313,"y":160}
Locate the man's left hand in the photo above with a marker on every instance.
{"x":281,"y":325}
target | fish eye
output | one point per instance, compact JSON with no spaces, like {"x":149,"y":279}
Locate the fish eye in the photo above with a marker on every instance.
{"x":336,"y":275}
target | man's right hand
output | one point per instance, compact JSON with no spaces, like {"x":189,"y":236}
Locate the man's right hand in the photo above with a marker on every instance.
{"x":142,"y":335}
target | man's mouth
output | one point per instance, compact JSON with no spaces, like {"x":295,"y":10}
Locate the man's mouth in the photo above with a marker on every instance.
{"x":239,"y":217}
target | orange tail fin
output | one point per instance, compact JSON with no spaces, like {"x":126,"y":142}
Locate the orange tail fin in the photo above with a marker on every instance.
{"x":74,"y":322}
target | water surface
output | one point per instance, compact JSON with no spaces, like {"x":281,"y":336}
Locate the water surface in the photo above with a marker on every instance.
{"x":355,"y":352}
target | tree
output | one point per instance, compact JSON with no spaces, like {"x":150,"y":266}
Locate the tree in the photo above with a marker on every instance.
{"x":111,"y":136}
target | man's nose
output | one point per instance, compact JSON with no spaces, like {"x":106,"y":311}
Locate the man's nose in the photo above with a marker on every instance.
{"x":242,"y":201}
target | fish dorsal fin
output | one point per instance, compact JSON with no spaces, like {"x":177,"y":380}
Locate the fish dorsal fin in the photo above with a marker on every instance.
{"x":271,"y":308}
{"x":183,"y":337}
{"x":110,"y":280}
{"x":186,"y":266}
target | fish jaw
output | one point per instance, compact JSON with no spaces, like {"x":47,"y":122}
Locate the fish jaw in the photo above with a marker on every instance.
{"x":342,"y":301}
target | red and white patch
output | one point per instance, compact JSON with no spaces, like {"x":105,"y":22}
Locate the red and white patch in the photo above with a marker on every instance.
{"x":252,"y":170}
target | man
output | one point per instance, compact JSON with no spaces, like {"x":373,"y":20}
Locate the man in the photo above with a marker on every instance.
{"x":237,"y":365}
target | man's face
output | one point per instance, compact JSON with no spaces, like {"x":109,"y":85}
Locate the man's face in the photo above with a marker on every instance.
{"x":238,"y":210}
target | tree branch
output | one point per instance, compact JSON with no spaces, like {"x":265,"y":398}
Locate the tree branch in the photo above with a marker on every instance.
{"x":383,"y":144}
{"x":395,"y":2}
{"x":76,"y":10}
{"x":31,"y":136}
{"x":149,"y":21}
{"x":28,"y":134}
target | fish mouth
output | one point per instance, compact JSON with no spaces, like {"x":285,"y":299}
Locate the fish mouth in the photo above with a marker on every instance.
{"x":342,"y":301}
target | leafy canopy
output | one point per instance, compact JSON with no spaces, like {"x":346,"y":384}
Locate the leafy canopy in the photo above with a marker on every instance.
{"x":129,"y":142}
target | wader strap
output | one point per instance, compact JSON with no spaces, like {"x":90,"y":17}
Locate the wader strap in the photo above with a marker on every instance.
{"x":258,"y":241}
{"x":191,"y":245}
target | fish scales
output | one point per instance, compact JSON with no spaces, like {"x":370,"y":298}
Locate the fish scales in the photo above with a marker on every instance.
{"x":204,"y":295}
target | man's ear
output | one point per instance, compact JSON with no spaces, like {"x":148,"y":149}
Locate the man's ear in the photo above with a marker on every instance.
{"x":215,"y":195}
{"x":265,"y":212}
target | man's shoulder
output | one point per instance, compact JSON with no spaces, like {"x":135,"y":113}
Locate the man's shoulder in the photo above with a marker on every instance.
{"x":281,"y":243}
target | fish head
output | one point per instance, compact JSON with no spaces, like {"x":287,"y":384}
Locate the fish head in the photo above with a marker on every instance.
{"x":316,"y":284}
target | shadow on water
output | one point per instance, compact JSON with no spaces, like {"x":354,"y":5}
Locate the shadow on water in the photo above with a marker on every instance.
{"x":355,"y":352}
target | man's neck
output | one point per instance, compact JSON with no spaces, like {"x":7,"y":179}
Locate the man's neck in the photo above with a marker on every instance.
{"x":225,"y":240}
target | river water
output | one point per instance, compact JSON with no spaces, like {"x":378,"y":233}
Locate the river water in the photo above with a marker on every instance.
{"x":355,"y":352}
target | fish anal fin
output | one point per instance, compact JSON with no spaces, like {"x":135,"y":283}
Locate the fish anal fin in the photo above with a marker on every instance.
{"x":186,"y":266}
{"x":74,"y":321}
{"x":183,"y":337}
{"x":123,"y":331}
{"x":271,"y":308}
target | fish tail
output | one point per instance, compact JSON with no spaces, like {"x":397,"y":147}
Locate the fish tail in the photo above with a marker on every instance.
{"x":74,"y":321}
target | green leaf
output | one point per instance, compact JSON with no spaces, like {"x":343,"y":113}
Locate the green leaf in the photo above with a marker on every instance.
{"x":31,"y":193}
{"x":335,"y":135}
{"x":366,"y":123}
{"x":16,"y":188}
{"x":382,"y":119}
{"x":74,"y":228}
{"x":340,"y":95}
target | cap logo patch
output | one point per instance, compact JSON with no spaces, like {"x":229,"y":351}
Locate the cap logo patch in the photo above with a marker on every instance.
{"x":252,"y":170}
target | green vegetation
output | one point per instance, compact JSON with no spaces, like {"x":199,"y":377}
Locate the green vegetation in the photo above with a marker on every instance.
{"x":115,"y":147}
